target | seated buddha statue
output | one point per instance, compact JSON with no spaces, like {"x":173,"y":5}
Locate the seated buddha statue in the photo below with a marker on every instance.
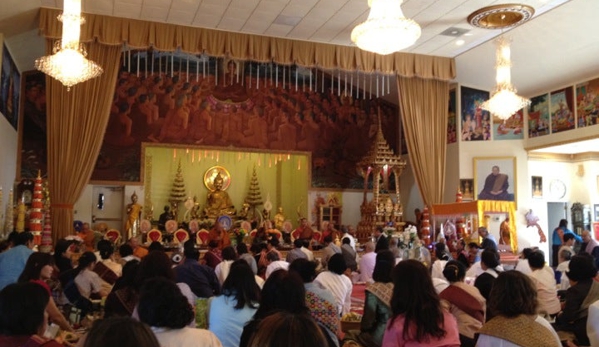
{"x":218,"y":202}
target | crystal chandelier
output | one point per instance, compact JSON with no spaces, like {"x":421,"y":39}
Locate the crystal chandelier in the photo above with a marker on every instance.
{"x":504,"y":101}
{"x":386,"y":30}
{"x":68,"y":63}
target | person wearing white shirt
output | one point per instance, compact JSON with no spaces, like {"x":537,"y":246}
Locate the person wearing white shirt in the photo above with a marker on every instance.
{"x":274,"y":264}
{"x":335,"y":281}
{"x":367,"y":262}
{"x":309,"y":253}
{"x":544,"y":279}
{"x":563,"y":257}
{"x":348,"y":233}
{"x":222,"y":269}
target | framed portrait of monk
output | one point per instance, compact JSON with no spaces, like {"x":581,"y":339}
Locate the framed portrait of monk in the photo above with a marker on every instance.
{"x":495,"y":178}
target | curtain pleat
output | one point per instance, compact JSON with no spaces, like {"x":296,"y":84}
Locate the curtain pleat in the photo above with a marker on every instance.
{"x":423,"y":104}
{"x":169,"y":37}
{"x":77,"y":120}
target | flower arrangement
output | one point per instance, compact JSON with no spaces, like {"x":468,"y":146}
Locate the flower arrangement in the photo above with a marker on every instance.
{"x":408,"y":239}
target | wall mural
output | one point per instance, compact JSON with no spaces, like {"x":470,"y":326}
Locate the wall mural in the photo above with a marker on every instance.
{"x":587,"y":101}
{"x":562,"y":116}
{"x":176,"y":98}
{"x":538,"y":116}
{"x":476,"y":122}
{"x":10,"y":89}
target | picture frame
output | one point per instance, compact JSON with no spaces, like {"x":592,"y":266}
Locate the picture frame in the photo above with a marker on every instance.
{"x":495,"y":178}
{"x":536,"y":184}
{"x":596,"y":212}
{"x":466,"y":187}
{"x":10,"y":88}
{"x":596,"y":230}
{"x":475,"y":122}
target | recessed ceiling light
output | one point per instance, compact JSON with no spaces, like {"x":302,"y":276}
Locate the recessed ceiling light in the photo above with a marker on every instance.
{"x":460,"y":42}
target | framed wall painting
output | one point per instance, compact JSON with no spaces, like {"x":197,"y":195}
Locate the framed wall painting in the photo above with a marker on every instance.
{"x":511,"y":129}
{"x":562,"y":106}
{"x":538,"y":116}
{"x":452,"y":127}
{"x":596,"y":212}
{"x":587,"y":97}
{"x":476,"y":122}
{"x":10,"y":88}
{"x":596,"y":230}
{"x":467,"y":189}
{"x":494,"y":178}
{"x":536,"y":182}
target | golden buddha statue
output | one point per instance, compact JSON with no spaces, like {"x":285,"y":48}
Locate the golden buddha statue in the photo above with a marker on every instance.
{"x":133,"y":216}
{"x":218,"y":202}
{"x":279,"y":219}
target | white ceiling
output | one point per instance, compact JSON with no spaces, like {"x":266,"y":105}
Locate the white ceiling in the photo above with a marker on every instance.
{"x":556,"y":48}
{"x":572,"y":148}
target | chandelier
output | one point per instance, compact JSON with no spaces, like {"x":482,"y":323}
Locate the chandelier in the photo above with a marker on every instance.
{"x":386,"y":30}
{"x":504,"y":101}
{"x":68,"y":63}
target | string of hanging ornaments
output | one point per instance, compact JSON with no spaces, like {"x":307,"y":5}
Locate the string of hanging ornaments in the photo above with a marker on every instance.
{"x":255,"y":75}
{"x":504,"y":101}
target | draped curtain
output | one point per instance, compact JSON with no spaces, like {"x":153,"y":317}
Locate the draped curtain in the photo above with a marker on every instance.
{"x":169,"y":37}
{"x":423,"y":104}
{"x":77,"y":119}
{"x":76,"y":122}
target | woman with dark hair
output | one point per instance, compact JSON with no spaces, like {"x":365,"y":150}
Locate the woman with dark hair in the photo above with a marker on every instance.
{"x":120,"y":331}
{"x":22,"y":318}
{"x":583,"y":291}
{"x":124,"y":295}
{"x":465,"y":302}
{"x":88,"y":282}
{"x":39,"y":269}
{"x":242,"y":253}
{"x":222,"y":269}
{"x":229,"y":312}
{"x":286,"y":329}
{"x":377,"y":303}
{"x":513,"y":303}
{"x":320,"y":301}
{"x":283,"y":291}
{"x":158,"y":265}
{"x":418,"y":319}
{"x":167,"y":311}
{"x":62,"y":255}
{"x":108,"y":269}
{"x":489,"y":263}
{"x":334,"y":280}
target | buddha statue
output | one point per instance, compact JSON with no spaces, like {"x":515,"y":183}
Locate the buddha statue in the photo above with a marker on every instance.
{"x":133,"y":216}
{"x":279,"y":219}
{"x":218,"y":202}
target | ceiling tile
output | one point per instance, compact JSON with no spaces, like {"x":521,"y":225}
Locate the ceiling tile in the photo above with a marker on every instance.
{"x":48,"y":3}
{"x":278,"y":30}
{"x":104,"y":7}
{"x":156,"y":14}
{"x":244,"y":4}
{"x":231,"y":24}
{"x":185,"y":5}
{"x":137,"y":2}
{"x":237,"y":13}
{"x":180,"y":17}
{"x":206,"y":21}
{"x":128,"y":10}
{"x":166,"y":4}
{"x":212,"y":9}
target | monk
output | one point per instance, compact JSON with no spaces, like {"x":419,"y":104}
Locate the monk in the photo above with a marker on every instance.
{"x":220,"y":235}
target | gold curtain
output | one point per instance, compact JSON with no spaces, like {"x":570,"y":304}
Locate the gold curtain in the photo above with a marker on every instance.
{"x":77,"y":120}
{"x":169,"y":37}
{"x":423,"y":104}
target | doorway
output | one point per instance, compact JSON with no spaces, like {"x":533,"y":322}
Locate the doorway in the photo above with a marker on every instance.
{"x":107,"y":206}
{"x":556,"y":211}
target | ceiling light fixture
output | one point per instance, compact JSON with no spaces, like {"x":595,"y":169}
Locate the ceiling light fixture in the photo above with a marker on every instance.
{"x":68,"y":63}
{"x":386,"y":30}
{"x":504,"y":101}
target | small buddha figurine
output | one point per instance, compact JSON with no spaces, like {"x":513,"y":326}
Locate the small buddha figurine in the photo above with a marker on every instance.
{"x":279,"y":218}
{"x":218,"y":201}
{"x":133,"y":216}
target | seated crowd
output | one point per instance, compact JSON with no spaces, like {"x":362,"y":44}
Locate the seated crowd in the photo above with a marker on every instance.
{"x":234,"y":297}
